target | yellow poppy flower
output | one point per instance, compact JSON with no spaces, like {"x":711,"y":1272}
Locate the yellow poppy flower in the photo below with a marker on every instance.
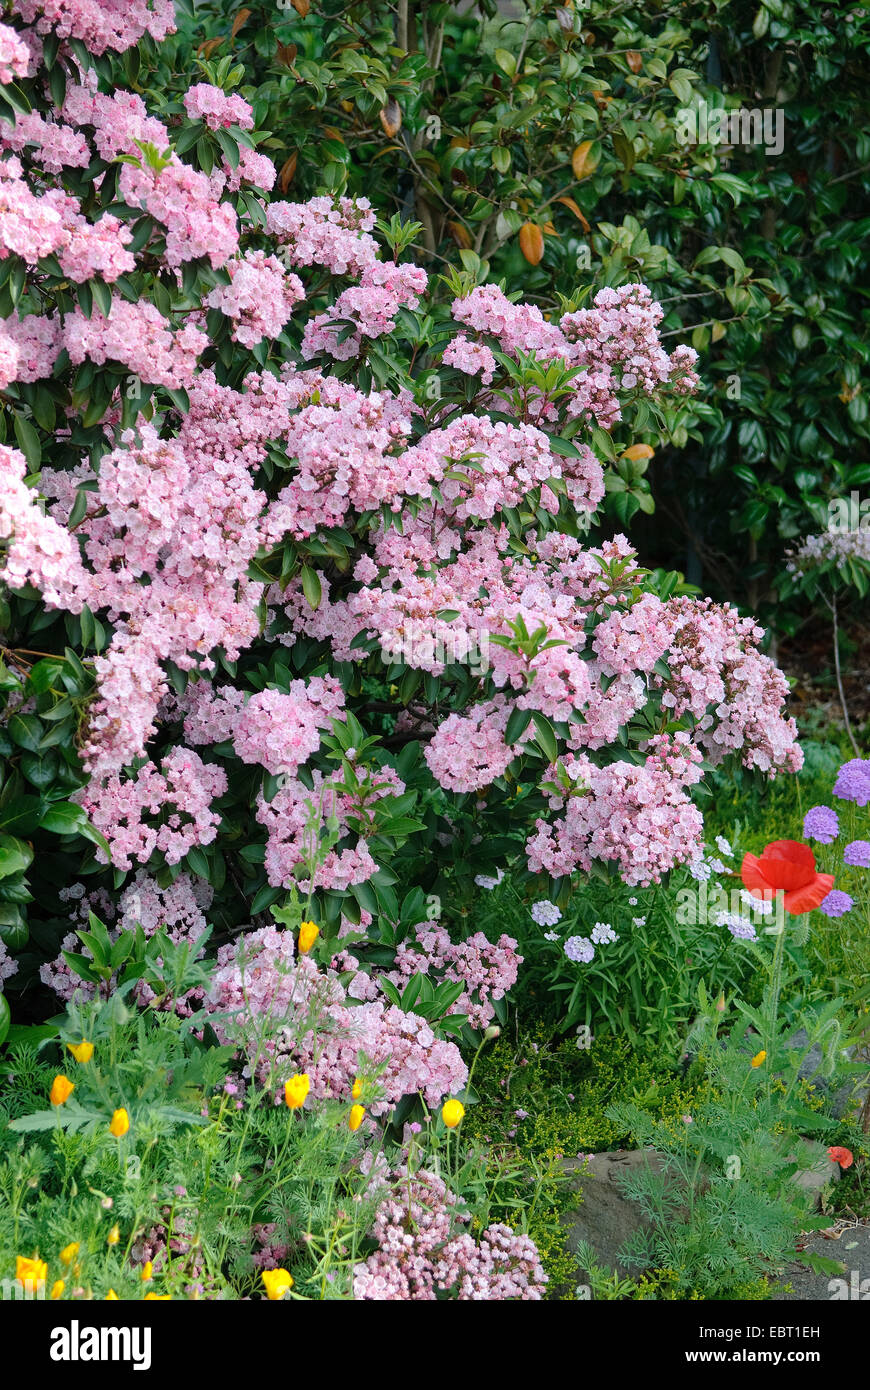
{"x":277,"y":1282}
{"x":61,"y":1090}
{"x":296,"y":1089}
{"x":30,"y":1271}
{"x":308,"y":934}
{"x":452,"y":1112}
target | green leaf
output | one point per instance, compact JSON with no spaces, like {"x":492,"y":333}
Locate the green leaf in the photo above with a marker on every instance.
{"x":311,"y":586}
{"x":25,"y":730}
{"x":546,"y":736}
{"x":28,"y":442}
{"x":229,"y":148}
{"x":21,"y":815}
{"x":102,"y":296}
{"x":15,"y":856}
{"x":518,"y":722}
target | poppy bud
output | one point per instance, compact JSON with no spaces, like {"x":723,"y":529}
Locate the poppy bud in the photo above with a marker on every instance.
{"x":452,"y":1112}
{"x":119,"y":1123}
{"x":308,"y":934}
{"x":61,"y":1090}
{"x":277,"y":1282}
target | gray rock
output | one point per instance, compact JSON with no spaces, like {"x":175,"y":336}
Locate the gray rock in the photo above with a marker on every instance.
{"x":850,"y":1096}
{"x":606,"y":1218}
{"x":817,"y":1172}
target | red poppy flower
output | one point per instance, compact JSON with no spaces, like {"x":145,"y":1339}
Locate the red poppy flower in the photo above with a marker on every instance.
{"x":842,"y":1156}
{"x":790,"y":867}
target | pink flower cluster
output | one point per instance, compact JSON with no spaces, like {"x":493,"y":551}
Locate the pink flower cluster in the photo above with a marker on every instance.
{"x":33,"y":227}
{"x":368,"y":310}
{"x":637,"y":815}
{"x":487,"y":969}
{"x":38,"y":550}
{"x":278,"y":730}
{"x":183,"y":200}
{"x":138,"y":336}
{"x":322,"y":233}
{"x":290,"y":813}
{"x":28,"y":348}
{"x":468,"y":751}
{"x":56,"y":146}
{"x":100,"y":24}
{"x":166,"y":809}
{"x":14,"y":55}
{"x":733,"y":690}
{"x":260,"y":298}
{"x":207,"y":103}
{"x":118,"y":121}
{"x":176,"y":909}
{"x":294,"y":1017}
{"x":422,"y":1249}
{"x":8,"y":967}
{"x":616,"y":343}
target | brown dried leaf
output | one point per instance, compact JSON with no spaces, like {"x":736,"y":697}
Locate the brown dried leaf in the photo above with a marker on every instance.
{"x":391,"y":118}
{"x":569,"y":203}
{"x":208,"y":47}
{"x":460,"y":234}
{"x":583,"y":162}
{"x":287,"y":172}
{"x":532,"y":242}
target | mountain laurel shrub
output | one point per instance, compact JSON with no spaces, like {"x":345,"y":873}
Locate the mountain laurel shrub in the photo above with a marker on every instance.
{"x":299,"y":600}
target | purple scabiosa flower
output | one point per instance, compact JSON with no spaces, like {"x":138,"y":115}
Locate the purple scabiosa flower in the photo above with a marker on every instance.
{"x":853,"y":781}
{"x":857,"y":854}
{"x":837,"y":904}
{"x":602,"y":934}
{"x":822,"y":825}
{"x":579,"y":949}
{"x":545,"y":913}
{"x":739,"y":927}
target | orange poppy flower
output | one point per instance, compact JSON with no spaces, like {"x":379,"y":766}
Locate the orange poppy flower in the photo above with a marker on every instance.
{"x":789,"y":867}
{"x":844,"y":1157}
